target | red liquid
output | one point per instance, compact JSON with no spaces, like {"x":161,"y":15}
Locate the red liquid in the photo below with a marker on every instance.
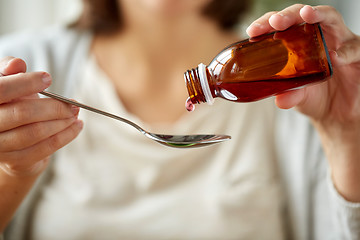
{"x":189,"y":105}
{"x":257,"y":90}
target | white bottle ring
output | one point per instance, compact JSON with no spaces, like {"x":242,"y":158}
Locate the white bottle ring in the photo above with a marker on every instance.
{"x":205,"y":84}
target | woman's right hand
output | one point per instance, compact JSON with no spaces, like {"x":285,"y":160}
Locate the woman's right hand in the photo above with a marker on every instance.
{"x":31,"y":128}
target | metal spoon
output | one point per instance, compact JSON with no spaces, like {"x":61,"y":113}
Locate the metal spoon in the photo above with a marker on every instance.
{"x":176,"y":141}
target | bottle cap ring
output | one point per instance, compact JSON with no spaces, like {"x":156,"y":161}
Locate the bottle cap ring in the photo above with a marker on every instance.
{"x":204,"y":84}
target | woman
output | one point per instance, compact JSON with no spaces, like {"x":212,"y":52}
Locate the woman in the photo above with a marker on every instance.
{"x":112,"y":183}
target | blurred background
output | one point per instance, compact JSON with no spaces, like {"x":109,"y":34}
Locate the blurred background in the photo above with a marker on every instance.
{"x":34,"y":14}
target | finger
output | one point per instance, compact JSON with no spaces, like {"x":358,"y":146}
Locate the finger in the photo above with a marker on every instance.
{"x":16,"y":114}
{"x":260,"y":26}
{"x":329,"y":18}
{"x":22,"y":161}
{"x":31,"y":134}
{"x":276,"y":21}
{"x":22,"y":84}
{"x":286,"y":18}
{"x":11,"y":65}
{"x":305,"y":99}
{"x":290,"y":99}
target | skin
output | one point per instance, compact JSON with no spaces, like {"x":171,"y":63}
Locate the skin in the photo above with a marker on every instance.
{"x":28,"y":136}
{"x":159,"y":98}
{"x":151,"y":38}
{"x":162,"y":48}
{"x":333,"y":106}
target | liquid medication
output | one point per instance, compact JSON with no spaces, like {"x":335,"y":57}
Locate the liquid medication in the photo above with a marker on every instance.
{"x":261,"y":67}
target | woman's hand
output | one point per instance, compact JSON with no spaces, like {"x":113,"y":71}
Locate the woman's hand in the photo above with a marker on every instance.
{"x":334,"y":105}
{"x":31,"y":129}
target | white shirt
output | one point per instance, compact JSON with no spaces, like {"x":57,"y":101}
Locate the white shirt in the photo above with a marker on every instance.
{"x":114,"y":183}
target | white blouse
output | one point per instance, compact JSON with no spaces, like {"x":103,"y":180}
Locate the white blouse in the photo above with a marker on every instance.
{"x":114,"y":183}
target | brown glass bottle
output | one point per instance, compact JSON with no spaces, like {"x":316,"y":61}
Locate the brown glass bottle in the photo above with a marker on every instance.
{"x":261,"y":67}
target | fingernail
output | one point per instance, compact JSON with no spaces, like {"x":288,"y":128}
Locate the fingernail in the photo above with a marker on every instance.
{"x":339,"y":59}
{"x":255,"y":24}
{"x":75,"y":110}
{"x":247,"y":29}
{"x":3,"y":66}
{"x":334,"y":53}
{"x":46,"y":78}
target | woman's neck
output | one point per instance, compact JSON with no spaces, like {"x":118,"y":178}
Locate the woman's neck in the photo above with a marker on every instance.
{"x":146,"y":62}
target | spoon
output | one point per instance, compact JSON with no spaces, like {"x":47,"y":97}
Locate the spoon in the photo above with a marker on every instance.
{"x":176,"y":141}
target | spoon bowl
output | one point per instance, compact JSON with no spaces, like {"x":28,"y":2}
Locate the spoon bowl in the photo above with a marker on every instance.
{"x":187,"y":141}
{"x":176,"y":141}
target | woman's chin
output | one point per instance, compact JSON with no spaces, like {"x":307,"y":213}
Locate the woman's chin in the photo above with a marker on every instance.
{"x":174,"y":7}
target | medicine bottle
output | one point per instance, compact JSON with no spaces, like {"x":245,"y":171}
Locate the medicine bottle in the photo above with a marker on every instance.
{"x":261,"y":67}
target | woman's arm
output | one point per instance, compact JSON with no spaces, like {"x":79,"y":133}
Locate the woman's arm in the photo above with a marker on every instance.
{"x":13,"y":191}
{"x":31,"y":129}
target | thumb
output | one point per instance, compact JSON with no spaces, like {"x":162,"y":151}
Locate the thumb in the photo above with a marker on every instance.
{"x":11,"y":65}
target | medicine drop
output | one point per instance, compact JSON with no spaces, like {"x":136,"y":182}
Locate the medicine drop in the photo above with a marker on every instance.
{"x":189,"y":105}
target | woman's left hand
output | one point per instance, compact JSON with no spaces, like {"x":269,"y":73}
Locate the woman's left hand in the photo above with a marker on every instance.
{"x":334,"y":105}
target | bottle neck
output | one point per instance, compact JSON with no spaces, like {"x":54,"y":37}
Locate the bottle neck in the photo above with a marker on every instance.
{"x":197,"y":84}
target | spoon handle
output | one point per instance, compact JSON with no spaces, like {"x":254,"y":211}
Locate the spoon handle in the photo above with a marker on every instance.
{"x":72,"y":102}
